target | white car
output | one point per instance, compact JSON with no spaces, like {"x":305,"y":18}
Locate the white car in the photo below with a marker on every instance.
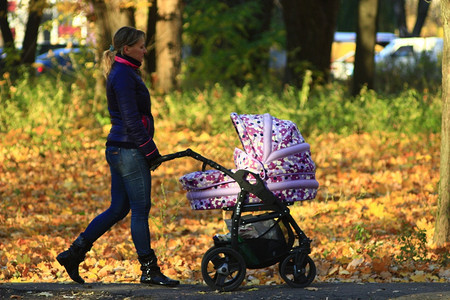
{"x":399,"y":51}
{"x":408,"y":50}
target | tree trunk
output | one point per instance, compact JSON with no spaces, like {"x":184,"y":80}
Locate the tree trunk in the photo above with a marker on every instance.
{"x":8,"y":38}
{"x":310,"y":27}
{"x":150,"y":65}
{"x":130,"y":15}
{"x":400,"y":14}
{"x":442,"y":230}
{"x":422,"y":11}
{"x":366,"y":31}
{"x":168,"y":44}
{"x":35,"y":11}
{"x":108,"y":19}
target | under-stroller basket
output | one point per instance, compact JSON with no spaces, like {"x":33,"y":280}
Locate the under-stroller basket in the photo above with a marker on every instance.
{"x":262,"y":242}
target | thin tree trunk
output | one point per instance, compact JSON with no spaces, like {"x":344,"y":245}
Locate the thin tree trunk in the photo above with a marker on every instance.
{"x":442,"y":230}
{"x":103,"y":27}
{"x":422,"y":11}
{"x":364,"y":72}
{"x":400,"y":13}
{"x":150,"y":42}
{"x":8,"y":38}
{"x":168,"y":44}
{"x":35,"y":11}
{"x":108,"y":19}
{"x":130,"y":15}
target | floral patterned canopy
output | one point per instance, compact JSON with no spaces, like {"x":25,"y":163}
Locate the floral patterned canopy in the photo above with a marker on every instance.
{"x":274,"y":149}
{"x":263,"y":135}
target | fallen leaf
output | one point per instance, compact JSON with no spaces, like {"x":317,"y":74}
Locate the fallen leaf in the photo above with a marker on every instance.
{"x":355,"y":263}
{"x":45,"y":294}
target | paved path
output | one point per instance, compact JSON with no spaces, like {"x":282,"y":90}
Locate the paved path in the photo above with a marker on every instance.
{"x":422,"y":291}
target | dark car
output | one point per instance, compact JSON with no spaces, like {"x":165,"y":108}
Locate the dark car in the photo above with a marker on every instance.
{"x":65,"y":60}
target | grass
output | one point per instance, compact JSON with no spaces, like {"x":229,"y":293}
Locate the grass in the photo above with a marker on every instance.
{"x":60,"y":103}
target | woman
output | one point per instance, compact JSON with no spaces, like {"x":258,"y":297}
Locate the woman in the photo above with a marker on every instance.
{"x":130,"y":151}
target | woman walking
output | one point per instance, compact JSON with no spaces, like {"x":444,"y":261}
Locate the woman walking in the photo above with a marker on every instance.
{"x":130,"y":151}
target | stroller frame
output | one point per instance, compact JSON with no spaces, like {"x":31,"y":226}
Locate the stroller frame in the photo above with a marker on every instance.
{"x":296,"y":267}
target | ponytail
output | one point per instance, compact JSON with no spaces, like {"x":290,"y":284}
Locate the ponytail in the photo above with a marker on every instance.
{"x":107,"y":61}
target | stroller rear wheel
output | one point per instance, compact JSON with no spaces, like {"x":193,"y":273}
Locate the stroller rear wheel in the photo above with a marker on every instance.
{"x":223,"y":268}
{"x":297,"y":275}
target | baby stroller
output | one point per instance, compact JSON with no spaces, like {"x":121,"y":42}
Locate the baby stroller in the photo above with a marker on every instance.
{"x":273,"y":171}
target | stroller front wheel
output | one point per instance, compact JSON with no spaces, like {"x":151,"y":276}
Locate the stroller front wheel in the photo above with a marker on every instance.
{"x":296,"y":274}
{"x":223,"y":268}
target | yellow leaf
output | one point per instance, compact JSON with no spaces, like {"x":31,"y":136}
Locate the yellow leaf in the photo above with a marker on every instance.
{"x":333,"y":270}
{"x":355,"y":263}
{"x":91,"y":276}
{"x":342,"y":271}
{"x":419,"y":276}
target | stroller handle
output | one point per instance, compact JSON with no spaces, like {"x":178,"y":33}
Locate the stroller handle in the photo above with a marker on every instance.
{"x":188,"y":152}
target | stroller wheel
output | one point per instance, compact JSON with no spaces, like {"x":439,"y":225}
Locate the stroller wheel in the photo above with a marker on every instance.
{"x":223,"y":268}
{"x":297,"y":276}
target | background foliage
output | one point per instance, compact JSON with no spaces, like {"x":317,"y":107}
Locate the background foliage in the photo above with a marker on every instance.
{"x":219,"y":46}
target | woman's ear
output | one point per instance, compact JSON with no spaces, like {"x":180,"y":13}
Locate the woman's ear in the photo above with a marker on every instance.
{"x":125,"y":49}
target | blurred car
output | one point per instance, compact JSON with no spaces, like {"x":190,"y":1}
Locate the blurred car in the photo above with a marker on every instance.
{"x":382,"y":38}
{"x":408,"y":50}
{"x":344,"y":44}
{"x":342,"y":67}
{"x":397,"y":53}
{"x":64,"y":60}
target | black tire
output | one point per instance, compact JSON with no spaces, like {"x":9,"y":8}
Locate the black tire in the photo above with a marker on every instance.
{"x":223,"y":268}
{"x":297,"y":277}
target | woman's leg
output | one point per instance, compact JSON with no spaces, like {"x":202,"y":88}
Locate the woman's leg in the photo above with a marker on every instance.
{"x":118,"y":209}
{"x":137,"y":182}
{"x":138,"y":186}
{"x":120,"y":205}
{"x":130,"y":188}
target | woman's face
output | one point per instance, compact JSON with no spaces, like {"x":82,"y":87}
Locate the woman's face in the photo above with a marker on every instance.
{"x":137,"y":51}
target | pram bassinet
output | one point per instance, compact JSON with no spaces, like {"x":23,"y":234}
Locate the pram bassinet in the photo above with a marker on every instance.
{"x":274,"y":149}
{"x":274,"y":170}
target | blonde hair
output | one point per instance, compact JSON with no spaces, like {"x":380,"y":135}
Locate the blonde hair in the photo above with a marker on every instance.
{"x":125,"y":36}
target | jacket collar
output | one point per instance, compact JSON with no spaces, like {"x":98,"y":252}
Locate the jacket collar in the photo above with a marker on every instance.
{"x":124,"y":59}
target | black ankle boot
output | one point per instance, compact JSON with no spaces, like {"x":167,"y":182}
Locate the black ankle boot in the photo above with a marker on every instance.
{"x":151,"y":273}
{"x":71,"y":258}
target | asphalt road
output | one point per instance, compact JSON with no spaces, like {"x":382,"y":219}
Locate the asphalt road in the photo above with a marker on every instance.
{"x":422,"y":291}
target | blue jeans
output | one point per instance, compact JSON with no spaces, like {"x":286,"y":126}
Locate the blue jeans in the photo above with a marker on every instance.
{"x":130,"y":189}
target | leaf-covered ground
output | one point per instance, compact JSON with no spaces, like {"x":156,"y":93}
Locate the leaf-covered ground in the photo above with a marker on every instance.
{"x":373,"y":219}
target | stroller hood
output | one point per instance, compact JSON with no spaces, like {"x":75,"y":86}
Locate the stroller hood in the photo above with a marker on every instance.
{"x":267,"y":138}
{"x":274,"y":149}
